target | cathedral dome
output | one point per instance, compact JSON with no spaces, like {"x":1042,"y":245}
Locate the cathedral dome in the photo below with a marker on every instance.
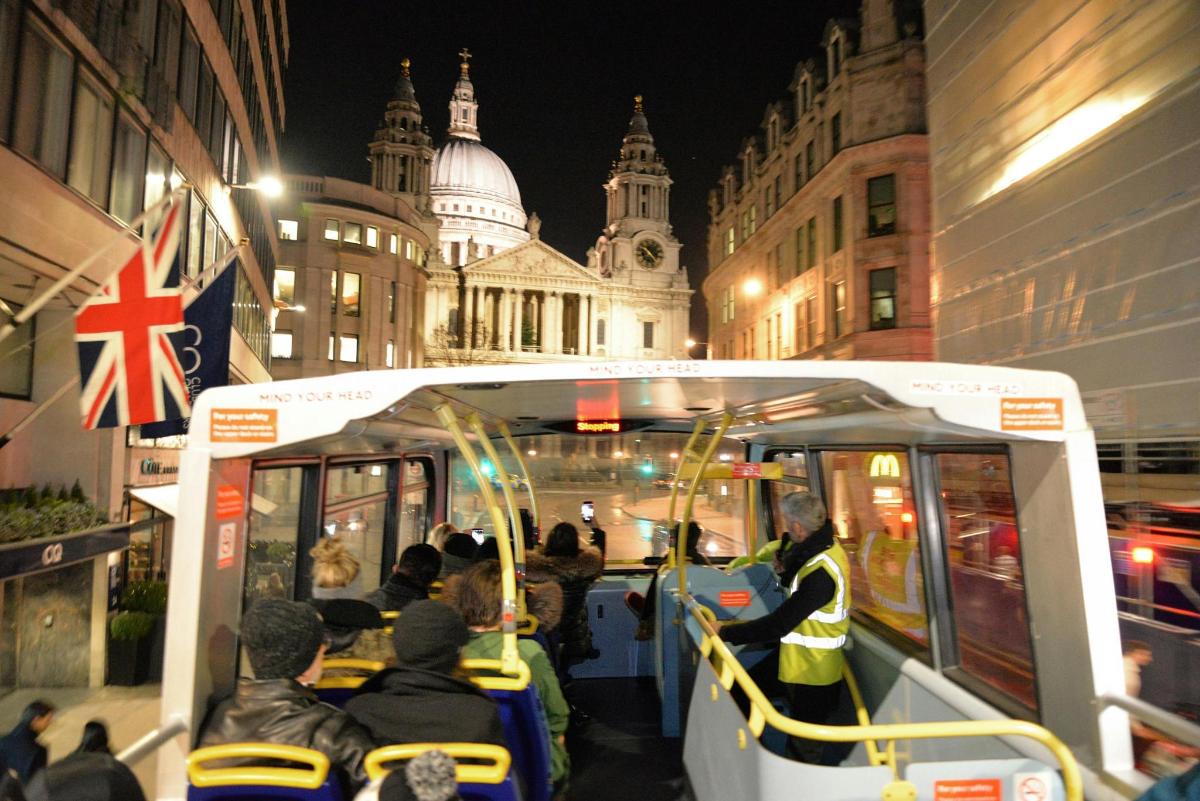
{"x":464,"y":167}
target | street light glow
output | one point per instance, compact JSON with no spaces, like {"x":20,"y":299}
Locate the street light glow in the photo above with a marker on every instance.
{"x":691,"y":343}
{"x":269,"y":186}
{"x":752,"y":287}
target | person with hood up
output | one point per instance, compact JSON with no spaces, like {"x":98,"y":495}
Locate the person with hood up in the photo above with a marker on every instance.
{"x":422,"y":699}
{"x":285,"y":643}
{"x":411,"y":578}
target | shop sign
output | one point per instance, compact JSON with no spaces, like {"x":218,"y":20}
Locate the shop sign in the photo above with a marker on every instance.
{"x":147,"y":466}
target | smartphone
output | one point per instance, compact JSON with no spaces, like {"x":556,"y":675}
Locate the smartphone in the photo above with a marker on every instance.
{"x":477,"y":535}
{"x":587,"y":511}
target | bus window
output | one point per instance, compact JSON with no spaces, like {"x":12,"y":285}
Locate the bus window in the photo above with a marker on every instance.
{"x":986,"y":586}
{"x":869,"y":496}
{"x":357,"y":499}
{"x":416,"y":503}
{"x":274,"y":532}
{"x":795,"y":478}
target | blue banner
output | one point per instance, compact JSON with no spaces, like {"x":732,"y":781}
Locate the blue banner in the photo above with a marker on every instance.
{"x":207,"y":324}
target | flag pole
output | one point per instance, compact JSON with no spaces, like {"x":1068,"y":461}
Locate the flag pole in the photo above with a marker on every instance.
{"x":217,"y":267}
{"x":35,"y":305}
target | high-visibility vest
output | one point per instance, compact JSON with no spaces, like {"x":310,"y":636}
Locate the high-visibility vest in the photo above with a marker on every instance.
{"x":812,"y":652}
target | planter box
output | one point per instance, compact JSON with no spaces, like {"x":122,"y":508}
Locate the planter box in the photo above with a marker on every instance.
{"x":134,"y":662}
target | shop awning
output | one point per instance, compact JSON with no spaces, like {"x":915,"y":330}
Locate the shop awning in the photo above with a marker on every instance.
{"x":165,"y":498}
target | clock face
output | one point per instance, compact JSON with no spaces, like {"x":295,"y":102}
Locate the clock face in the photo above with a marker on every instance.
{"x":649,"y":253}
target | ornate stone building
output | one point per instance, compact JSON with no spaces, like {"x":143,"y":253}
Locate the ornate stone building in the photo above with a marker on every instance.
{"x":818,"y":245}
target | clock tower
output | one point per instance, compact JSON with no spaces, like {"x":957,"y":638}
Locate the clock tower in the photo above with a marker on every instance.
{"x":637,"y":242}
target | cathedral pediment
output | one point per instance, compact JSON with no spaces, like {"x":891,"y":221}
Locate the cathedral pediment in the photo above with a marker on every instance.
{"x":533,"y":261}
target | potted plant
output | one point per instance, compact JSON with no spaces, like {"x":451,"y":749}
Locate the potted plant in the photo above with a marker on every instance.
{"x":137,"y":634}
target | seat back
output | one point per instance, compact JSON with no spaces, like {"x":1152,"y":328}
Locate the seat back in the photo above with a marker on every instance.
{"x":528,"y":737}
{"x":482,"y":770}
{"x":256,"y":774}
{"x":348,"y":676}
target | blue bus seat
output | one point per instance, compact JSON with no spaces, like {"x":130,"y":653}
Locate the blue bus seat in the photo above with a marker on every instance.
{"x":486,"y":778}
{"x":264,"y":781}
{"x":528,"y":738}
{"x":348,"y":676}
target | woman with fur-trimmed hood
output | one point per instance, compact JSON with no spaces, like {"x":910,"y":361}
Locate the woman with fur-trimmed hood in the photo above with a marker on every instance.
{"x":563,"y":561}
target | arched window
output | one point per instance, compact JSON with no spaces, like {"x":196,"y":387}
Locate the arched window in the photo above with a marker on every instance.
{"x":404,"y":123}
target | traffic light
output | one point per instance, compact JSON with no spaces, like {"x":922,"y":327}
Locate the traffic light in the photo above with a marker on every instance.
{"x":647,"y":465}
{"x":486,"y":468}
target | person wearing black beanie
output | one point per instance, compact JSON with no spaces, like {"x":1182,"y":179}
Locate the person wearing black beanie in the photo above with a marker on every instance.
{"x":285,"y":643}
{"x":422,"y":699}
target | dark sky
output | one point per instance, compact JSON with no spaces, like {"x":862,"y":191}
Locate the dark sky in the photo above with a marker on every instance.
{"x":555,"y":82}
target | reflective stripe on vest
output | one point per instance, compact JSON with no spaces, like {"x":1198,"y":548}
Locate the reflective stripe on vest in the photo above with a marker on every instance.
{"x":820,"y":643}
{"x":812,"y":653}
{"x":840,"y":611}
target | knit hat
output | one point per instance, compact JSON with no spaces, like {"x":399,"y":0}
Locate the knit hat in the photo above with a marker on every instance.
{"x":460,"y":545}
{"x":429,"y":635}
{"x":282,"y":638}
{"x":427,"y":777}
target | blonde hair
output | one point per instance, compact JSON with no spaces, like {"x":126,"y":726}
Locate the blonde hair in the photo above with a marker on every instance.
{"x":333,"y":565}
{"x":437,"y":534}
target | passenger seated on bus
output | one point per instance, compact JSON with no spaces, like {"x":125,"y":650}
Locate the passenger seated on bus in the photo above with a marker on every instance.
{"x":285,"y":643}
{"x":422,"y":700}
{"x":411,"y":577}
{"x":811,"y":625}
{"x":476,"y":594}
{"x":458,"y":552}
{"x":563,"y":561}
{"x":353,"y":630}
{"x":643,"y":605}
{"x":438,"y":534}
{"x":430,"y":776}
{"x":335,"y":570}
{"x":85,"y":776}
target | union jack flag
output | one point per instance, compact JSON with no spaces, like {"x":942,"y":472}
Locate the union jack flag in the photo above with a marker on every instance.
{"x":130,"y":337}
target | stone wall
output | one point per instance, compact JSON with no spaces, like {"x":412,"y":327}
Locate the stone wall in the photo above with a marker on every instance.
{"x":45,"y":629}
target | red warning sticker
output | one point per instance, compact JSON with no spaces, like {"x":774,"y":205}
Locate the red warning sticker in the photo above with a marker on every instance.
{"x":966,"y":790}
{"x":730,"y":598}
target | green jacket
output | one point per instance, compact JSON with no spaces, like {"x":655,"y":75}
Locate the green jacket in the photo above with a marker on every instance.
{"x":765,"y":554}
{"x":486,"y":645}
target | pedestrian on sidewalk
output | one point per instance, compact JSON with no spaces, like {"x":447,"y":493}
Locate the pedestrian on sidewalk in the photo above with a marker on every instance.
{"x":20,"y":750}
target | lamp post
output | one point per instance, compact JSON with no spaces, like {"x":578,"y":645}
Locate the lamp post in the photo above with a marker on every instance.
{"x":268,"y":185}
{"x":690,"y":343}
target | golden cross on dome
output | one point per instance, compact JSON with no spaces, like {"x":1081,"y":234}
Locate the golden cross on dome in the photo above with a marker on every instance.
{"x":465,"y":55}
{"x":404,"y":65}
{"x":637,"y":104}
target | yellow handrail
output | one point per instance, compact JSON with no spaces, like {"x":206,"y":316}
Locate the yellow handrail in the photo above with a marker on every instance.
{"x":367,"y":666}
{"x":687,"y":452}
{"x":199,"y":776}
{"x":516,"y":683}
{"x":529,"y":625}
{"x":517,"y":539}
{"x":508,"y":582}
{"x":763,"y":712}
{"x":516,"y":452}
{"x":693,"y":488}
{"x":497,"y":757}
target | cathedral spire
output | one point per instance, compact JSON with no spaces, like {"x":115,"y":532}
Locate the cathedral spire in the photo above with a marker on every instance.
{"x":404,"y":88}
{"x":639,"y":128}
{"x":464,"y":111}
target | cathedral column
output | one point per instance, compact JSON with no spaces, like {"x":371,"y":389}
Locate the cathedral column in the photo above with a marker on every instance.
{"x":505,"y":332}
{"x":468,"y":316}
{"x":556,"y":329}
{"x":543,"y":323}
{"x":518,"y":312}
{"x":489,"y":324}
{"x":581,"y":326}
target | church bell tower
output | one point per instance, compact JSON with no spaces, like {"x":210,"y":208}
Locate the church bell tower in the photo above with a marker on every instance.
{"x":402,"y":152}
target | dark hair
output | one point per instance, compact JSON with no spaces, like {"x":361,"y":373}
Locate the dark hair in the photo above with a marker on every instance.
{"x":563,"y":541}
{"x":487,"y":550}
{"x":36,"y":709}
{"x":528,"y":529}
{"x":422,"y":562}
{"x":693,"y":536}
{"x":95,"y":738}
{"x":478,"y":594}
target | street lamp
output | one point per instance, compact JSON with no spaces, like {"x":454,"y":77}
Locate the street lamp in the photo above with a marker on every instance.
{"x":753,"y":287}
{"x":690,"y":343}
{"x":269,"y":185}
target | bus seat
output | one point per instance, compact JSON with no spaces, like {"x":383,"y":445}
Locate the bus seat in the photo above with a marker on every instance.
{"x":524,"y":722}
{"x":348,"y":676}
{"x":485,"y":778}
{"x":260,"y":782}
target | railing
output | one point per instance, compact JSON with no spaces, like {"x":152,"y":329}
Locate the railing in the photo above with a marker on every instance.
{"x":762,"y":712}
{"x":150,"y":742}
{"x":1171,"y":725}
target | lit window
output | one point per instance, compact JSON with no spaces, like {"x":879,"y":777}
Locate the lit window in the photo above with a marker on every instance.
{"x":838,"y":298}
{"x":372,"y":236}
{"x":330,"y":357}
{"x":129,"y":170}
{"x":333,"y":293}
{"x":729,"y":243}
{"x":353,"y":234}
{"x":331,"y":230}
{"x":290,"y":229}
{"x":351,"y":283}
{"x":348,"y":348}
{"x":281,"y":345}
{"x":393,"y":244}
{"x":810,"y":321}
{"x":881,"y":205}
{"x":390,"y":357}
{"x":391,"y":303}
{"x":883,"y":298}
{"x":285,"y":286}
{"x":408,"y":249}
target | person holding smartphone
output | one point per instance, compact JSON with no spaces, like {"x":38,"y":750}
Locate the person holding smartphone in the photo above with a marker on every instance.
{"x":563,"y":559}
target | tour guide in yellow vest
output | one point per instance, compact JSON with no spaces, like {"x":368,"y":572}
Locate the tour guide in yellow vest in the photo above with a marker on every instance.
{"x":811,"y":625}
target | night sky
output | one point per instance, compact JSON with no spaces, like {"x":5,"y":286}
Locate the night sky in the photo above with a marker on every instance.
{"x":555,"y":85}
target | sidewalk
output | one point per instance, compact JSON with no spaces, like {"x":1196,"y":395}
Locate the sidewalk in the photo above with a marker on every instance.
{"x":129,"y":713}
{"x":655,"y":509}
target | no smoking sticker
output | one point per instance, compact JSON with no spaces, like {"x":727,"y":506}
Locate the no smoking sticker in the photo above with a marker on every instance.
{"x":1031,"y":787}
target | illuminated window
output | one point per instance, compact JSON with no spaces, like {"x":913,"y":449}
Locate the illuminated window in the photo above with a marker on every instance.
{"x":838,"y":301}
{"x":810,"y":321}
{"x":332,"y":231}
{"x":281,"y":345}
{"x":351,"y":283}
{"x":391,"y":303}
{"x":372,"y":236}
{"x":348,"y":348}
{"x":389,"y":358}
{"x":881,"y":205}
{"x":408,"y":249}
{"x":729,"y":242}
{"x":330,"y":357}
{"x":285,"y":286}
{"x":289,"y":229}
{"x":883,"y":298}
{"x":352,"y":234}
{"x":393,"y":244}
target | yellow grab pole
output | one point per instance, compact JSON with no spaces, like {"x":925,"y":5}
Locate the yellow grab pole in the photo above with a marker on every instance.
{"x":697,"y":430}
{"x":681,"y":534}
{"x":510,"y":500}
{"x":752,"y":493}
{"x":509,"y":658}
{"x":516,"y":452}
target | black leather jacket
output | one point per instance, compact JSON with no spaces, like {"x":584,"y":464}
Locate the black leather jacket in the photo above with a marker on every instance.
{"x":284,"y":711}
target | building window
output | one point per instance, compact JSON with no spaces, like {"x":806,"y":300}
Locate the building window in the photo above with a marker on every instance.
{"x":348,"y":348}
{"x":797,"y":173}
{"x":129,"y":170}
{"x":189,"y":67}
{"x":778,"y":335}
{"x":408,"y":249}
{"x":332,"y":232}
{"x":91,"y":146}
{"x":881,"y":205}
{"x":727,"y":305}
{"x":750,"y":338}
{"x":729,"y":243}
{"x":768,"y":202}
{"x":835,"y":134}
{"x":798,"y":327}
{"x":289,"y":229}
{"x":158,"y":167}
{"x":43,"y":99}
{"x":837,"y":224}
{"x":372,"y":236}
{"x":810,"y":321}
{"x":781,"y":262}
{"x":9,"y":14}
{"x":601,"y":330}
{"x":647,"y":335}
{"x":770,"y":338}
{"x":351,"y":283}
{"x":389,"y":358}
{"x":838,"y":301}
{"x":285,"y":286}
{"x":799,"y":248}
{"x":835,"y":56}
{"x":393,"y":244}
{"x":810,"y":159}
{"x":333,"y":293}
{"x":810,"y":253}
{"x":16,"y":379}
{"x":195,"y":235}
{"x":281,"y":345}
{"x":883,"y":298}
{"x":391,"y":303}
{"x":352,"y":235}
{"x":753,"y":219}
